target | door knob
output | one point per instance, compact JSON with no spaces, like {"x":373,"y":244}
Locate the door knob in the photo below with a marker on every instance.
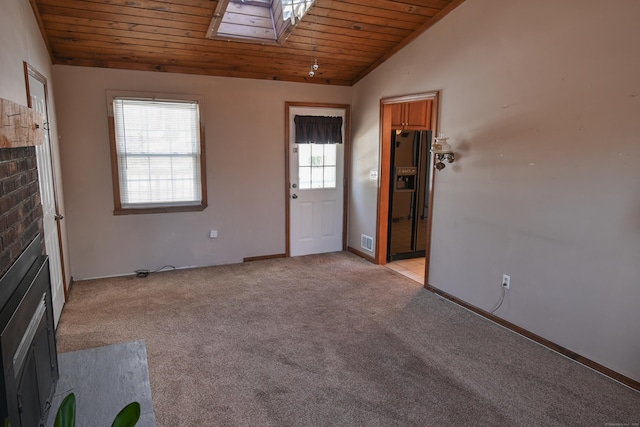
{"x":294,"y":196}
{"x":58,"y":217}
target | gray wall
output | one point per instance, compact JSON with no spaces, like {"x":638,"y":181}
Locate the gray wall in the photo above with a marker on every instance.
{"x":542,"y":103}
{"x":244,"y":128}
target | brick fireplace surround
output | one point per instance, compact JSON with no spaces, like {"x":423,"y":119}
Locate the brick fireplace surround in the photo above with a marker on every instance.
{"x":20,"y":208}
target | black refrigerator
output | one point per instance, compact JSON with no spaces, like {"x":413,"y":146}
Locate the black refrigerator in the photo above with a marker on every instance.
{"x":409,"y":191}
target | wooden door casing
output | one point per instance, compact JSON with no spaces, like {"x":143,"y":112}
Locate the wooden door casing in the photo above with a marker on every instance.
{"x":388,"y":107}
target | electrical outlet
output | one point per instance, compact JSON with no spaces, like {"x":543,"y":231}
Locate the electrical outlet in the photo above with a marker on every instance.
{"x":506,"y":281}
{"x":213,"y":234}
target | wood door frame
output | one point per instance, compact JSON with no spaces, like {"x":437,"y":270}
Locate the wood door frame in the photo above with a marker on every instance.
{"x":384,"y":175}
{"x":346,"y":165}
{"x":30,"y":71}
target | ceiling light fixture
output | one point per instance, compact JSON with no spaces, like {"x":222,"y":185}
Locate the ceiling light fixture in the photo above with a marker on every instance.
{"x":315,"y":66}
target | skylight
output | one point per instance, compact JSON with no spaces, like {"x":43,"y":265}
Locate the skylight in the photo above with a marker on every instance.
{"x":295,"y":9}
{"x":259,"y":21}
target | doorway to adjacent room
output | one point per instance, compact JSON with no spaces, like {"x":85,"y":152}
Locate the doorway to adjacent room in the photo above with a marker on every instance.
{"x":411,"y":118}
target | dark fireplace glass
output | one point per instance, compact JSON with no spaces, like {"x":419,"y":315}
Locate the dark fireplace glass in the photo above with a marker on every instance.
{"x":27,"y":340}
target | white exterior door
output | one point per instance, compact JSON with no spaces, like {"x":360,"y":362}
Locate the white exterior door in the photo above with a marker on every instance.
{"x":316,"y":176}
{"x":47,"y":195}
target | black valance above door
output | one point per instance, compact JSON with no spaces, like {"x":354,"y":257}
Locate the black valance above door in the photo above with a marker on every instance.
{"x":318,"y":130}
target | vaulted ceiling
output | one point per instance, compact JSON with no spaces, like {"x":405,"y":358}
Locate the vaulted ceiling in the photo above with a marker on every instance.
{"x":349,"y":38}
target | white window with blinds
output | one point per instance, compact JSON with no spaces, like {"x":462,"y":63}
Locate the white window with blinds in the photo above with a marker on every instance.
{"x":157,"y":153}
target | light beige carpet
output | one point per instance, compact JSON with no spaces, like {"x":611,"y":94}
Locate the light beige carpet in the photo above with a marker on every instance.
{"x":331,"y":340}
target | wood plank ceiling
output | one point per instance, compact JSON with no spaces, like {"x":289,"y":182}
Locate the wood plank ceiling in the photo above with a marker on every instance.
{"x":349,"y":38}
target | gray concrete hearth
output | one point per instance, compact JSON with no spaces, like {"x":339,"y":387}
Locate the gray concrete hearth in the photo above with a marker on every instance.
{"x":104,"y":380}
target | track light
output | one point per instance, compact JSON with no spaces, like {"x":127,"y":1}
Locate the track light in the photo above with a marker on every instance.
{"x":314,"y":68}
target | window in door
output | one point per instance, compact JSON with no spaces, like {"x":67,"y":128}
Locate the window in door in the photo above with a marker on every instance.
{"x":316,"y":166}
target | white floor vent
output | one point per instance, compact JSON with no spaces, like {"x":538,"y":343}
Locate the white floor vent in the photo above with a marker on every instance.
{"x":367,"y":243}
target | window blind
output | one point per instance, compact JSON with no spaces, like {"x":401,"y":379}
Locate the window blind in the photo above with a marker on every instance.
{"x":158,"y":149}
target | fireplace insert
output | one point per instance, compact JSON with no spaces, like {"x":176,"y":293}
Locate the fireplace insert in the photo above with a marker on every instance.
{"x":27,"y":340}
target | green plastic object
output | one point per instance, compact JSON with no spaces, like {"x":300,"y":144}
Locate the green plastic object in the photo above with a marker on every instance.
{"x":66,"y":416}
{"x":128,"y":417}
